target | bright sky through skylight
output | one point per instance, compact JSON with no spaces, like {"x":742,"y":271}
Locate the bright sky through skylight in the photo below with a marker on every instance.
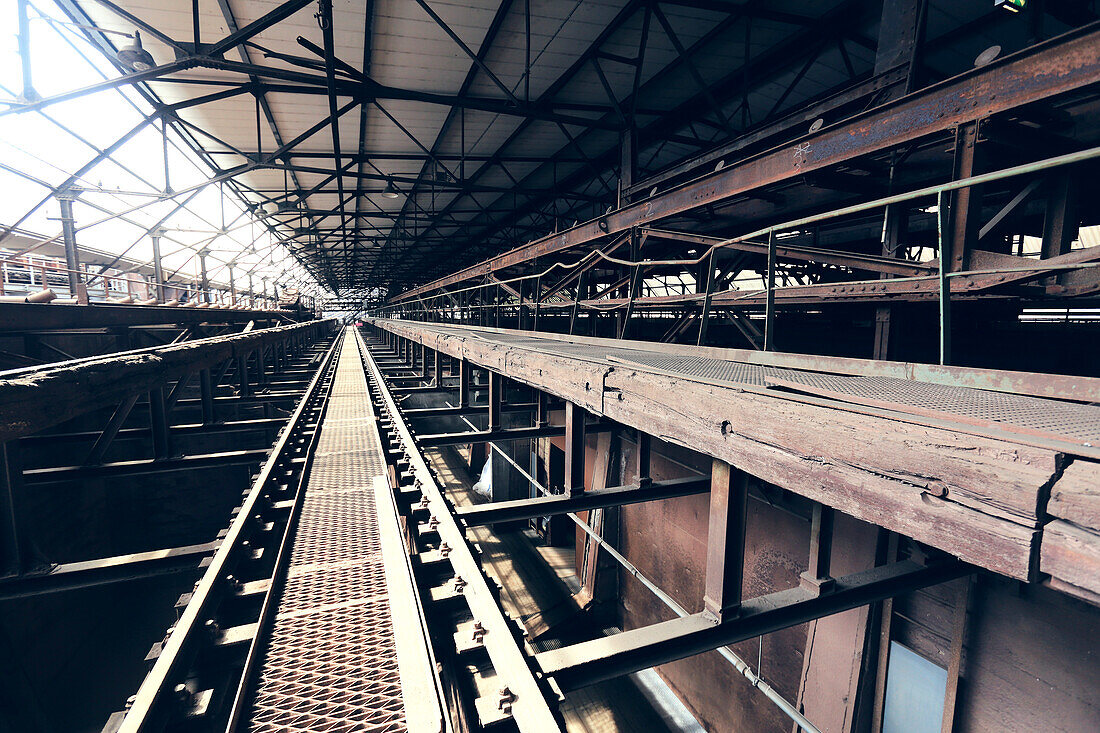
{"x":42,"y":149}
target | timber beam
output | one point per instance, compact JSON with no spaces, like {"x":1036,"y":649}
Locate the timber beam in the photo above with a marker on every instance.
{"x":972,"y":491}
{"x":51,"y":317}
{"x":37,"y":398}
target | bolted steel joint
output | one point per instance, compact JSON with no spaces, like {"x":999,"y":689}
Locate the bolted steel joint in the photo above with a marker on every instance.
{"x":504,"y":702}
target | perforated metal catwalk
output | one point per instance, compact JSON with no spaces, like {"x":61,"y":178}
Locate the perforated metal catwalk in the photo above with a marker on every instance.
{"x":331,"y":662}
{"x":1070,"y":421}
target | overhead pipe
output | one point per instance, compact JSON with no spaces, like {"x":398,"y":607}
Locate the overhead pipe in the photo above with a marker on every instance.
{"x":42,"y":296}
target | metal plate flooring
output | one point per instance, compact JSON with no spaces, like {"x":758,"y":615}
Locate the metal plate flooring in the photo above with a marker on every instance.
{"x":331,"y":664}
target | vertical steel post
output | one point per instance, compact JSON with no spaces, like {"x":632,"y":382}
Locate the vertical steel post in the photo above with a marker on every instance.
{"x":643,"y":458}
{"x":12,"y":520}
{"x":204,"y":282}
{"x":463,"y":383}
{"x":818,"y":576}
{"x":725,"y":540}
{"x":206,"y":396}
{"x":72,"y":255}
{"x":261,"y":366}
{"x":537,"y":297}
{"x":582,"y":284}
{"x":712,"y":275}
{"x":242,"y":375}
{"x":158,"y":422}
{"x":945,"y":286}
{"x":29,"y":94}
{"x":542,"y":413}
{"x":769,"y":303}
{"x":496,"y":387}
{"x":574,"y":448}
{"x":158,"y":266}
{"x":521,"y":287}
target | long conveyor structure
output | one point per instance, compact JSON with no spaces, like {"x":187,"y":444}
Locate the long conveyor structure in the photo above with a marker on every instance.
{"x":347,"y":594}
{"x":311,"y":614}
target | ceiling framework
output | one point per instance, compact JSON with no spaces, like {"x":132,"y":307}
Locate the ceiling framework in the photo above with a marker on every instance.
{"x":391,"y":147}
{"x":388,"y":146}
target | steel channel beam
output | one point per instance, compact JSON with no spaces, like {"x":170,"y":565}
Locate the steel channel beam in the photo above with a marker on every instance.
{"x":39,"y":476}
{"x":232,"y":426}
{"x":495,"y":436}
{"x":120,"y":568}
{"x":530,"y":709}
{"x":423,"y":412}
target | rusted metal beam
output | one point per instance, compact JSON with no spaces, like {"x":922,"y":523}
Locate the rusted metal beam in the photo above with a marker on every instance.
{"x":587,"y":663}
{"x":853,"y":260}
{"x":423,"y":412}
{"x":437,"y":440}
{"x":545,"y":506}
{"x":121,"y":568}
{"x":1064,"y":64}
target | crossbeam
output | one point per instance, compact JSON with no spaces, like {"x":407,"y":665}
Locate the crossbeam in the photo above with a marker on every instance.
{"x":589,"y":662}
{"x":545,"y":506}
{"x":120,"y":568}
{"x":495,"y":436}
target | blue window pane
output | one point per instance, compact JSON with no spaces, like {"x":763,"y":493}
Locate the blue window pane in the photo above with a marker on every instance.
{"x":915,"y":689}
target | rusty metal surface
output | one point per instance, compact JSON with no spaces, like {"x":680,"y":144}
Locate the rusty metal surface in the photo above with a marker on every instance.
{"x":331,"y":664}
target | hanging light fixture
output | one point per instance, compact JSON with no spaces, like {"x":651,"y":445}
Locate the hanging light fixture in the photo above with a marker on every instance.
{"x":135,"y":57}
{"x":389,"y":192}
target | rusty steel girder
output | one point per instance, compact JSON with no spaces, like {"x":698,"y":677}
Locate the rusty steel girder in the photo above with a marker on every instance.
{"x":1064,"y":64}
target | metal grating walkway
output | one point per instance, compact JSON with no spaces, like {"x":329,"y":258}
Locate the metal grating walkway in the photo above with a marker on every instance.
{"x":331,"y":663}
{"x":1075,"y":423}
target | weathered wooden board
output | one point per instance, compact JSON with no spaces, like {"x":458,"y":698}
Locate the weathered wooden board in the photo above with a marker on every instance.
{"x":975,"y":497}
{"x":1075,"y":497}
{"x":1071,"y":555}
{"x":33,"y":400}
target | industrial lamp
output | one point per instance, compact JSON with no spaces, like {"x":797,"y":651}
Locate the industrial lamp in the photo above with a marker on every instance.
{"x":135,"y":57}
{"x":389,"y":192}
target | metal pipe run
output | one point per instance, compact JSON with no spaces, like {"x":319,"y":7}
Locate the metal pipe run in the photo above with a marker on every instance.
{"x":739,"y":664}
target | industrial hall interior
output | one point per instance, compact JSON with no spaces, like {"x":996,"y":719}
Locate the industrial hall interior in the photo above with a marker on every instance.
{"x":533,"y":366}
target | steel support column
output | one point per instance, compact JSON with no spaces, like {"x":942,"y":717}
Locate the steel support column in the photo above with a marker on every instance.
{"x":72,"y":254}
{"x":725,"y":540}
{"x":574,"y":448}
